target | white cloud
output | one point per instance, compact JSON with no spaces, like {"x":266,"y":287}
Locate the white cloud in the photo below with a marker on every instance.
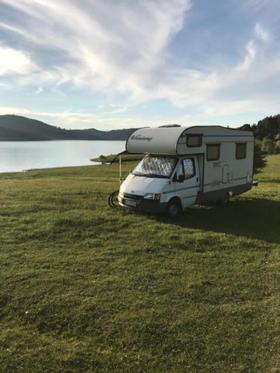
{"x":249,"y":58}
{"x":14,"y":62}
{"x":261,"y":33}
{"x":221,"y":112}
{"x":39,"y":90}
{"x":121,"y":49}
{"x":103,"y":121}
{"x":12,"y":110}
{"x":121,"y":46}
{"x":257,"y":4}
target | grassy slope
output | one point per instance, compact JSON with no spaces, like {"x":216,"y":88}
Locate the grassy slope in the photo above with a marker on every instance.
{"x":87,"y":288}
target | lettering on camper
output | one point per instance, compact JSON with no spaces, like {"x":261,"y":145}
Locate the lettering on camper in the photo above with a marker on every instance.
{"x":142,"y":138}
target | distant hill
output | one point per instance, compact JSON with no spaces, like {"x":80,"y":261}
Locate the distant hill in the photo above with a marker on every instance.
{"x":18,"y":128}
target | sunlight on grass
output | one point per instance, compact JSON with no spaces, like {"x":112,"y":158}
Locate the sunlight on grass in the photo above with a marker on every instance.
{"x":88,"y":288}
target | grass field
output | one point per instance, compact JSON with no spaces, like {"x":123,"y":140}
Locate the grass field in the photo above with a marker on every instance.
{"x":87,"y":288}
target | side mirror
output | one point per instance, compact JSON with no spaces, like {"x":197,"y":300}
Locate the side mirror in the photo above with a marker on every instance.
{"x":180,"y":178}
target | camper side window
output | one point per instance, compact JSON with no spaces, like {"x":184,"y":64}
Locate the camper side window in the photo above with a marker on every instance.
{"x":213,"y":152}
{"x":194,"y":141}
{"x":189,"y":170}
{"x":240,"y":151}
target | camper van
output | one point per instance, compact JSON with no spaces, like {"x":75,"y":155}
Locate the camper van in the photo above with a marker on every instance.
{"x":183,"y":166}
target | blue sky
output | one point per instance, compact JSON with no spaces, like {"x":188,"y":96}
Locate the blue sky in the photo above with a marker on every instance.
{"x":128,"y":63}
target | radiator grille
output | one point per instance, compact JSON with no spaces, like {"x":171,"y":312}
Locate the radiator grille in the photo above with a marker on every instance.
{"x":134,"y":197}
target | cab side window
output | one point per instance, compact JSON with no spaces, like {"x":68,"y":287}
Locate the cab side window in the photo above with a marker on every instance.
{"x":189,"y":169}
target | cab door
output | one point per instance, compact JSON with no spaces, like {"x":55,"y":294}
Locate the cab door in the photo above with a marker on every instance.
{"x":187,"y":185}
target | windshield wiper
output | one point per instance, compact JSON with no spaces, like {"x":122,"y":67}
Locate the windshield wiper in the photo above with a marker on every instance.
{"x":155,"y":175}
{"x":138,"y":174}
{"x":150,"y":175}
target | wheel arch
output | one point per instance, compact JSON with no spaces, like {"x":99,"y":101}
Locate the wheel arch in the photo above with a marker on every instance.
{"x":175,"y":198}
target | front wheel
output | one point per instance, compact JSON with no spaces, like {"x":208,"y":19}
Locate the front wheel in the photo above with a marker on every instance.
{"x":174,"y":209}
{"x":113,"y":199}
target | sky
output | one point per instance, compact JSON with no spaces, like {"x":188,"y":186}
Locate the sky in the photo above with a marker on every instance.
{"x":128,"y":63}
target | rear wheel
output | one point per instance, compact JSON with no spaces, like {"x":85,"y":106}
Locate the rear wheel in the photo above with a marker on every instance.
{"x":174,"y":209}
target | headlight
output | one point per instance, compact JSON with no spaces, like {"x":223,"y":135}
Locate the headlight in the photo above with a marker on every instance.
{"x":149,"y":196}
{"x":155,"y":196}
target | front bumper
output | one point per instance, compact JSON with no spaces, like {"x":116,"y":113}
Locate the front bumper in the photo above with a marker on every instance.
{"x":139,"y":203}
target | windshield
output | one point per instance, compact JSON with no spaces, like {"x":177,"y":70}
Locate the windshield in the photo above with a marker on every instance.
{"x":155,"y":166}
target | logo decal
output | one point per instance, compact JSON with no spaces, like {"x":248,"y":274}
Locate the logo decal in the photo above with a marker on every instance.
{"x":141,"y":138}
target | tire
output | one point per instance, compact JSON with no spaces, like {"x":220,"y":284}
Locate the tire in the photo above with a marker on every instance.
{"x":174,"y":209}
{"x":113,"y":199}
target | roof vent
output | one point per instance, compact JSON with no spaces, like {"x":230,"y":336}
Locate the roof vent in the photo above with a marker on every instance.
{"x":170,"y":125}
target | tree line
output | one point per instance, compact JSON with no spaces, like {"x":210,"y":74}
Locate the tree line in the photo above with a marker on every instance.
{"x":267,"y":139}
{"x":267,"y":133}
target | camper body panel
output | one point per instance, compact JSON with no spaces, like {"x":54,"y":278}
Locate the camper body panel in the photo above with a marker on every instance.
{"x":154,"y":141}
{"x":226,"y":172}
{"x":221,"y":166}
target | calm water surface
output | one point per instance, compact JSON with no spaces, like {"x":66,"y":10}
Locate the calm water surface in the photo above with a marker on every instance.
{"x":25,"y":155}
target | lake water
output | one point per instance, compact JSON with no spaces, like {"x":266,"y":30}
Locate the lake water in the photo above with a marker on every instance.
{"x":25,"y":155}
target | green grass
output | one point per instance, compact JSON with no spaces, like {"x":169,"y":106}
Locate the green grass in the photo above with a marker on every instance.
{"x":87,"y":288}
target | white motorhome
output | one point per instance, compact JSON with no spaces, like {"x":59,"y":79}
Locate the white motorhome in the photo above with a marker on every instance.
{"x":184,"y":166}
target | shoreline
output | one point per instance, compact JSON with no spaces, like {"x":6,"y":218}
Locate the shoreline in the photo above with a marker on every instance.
{"x":48,"y":168}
